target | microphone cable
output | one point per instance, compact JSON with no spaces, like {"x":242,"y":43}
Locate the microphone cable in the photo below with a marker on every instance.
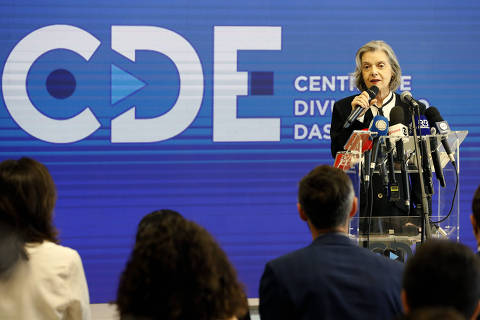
{"x":453,"y":199}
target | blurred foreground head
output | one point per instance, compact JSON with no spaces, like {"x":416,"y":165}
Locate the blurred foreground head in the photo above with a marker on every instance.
{"x":178,"y":271}
{"x":442,"y":273}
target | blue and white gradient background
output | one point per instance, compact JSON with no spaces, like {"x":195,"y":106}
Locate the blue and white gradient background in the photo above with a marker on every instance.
{"x":244,"y":193}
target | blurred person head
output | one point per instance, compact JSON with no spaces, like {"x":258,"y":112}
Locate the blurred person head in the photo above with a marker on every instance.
{"x":326,"y":199}
{"x":377,"y":64}
{"x":442,"y":273}
{"x":475,"y":216}
{"x":27,"y":200}
{"x":178,"y":271}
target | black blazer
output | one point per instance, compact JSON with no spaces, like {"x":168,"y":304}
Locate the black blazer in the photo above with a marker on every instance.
{"x":341,"y":111}
{"x":332,"y":278}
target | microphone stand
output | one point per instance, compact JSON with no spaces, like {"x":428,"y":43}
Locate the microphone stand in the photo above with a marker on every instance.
{"x":426,"y":231}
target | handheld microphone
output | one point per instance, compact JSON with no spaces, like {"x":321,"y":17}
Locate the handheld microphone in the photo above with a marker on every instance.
{"x":441,"y":127}
{"x":407,"y":98}
{"x":372,"y":93}
{"x":398,"y":129}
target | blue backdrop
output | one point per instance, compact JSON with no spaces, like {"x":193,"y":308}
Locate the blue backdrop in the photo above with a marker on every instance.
{"x":210,"y":108}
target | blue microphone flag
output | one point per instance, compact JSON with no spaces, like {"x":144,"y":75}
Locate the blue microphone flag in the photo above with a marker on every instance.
{"x":379,"y":125}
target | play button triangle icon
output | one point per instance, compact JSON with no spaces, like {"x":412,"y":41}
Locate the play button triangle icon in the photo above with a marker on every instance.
{"x":124,"y":84}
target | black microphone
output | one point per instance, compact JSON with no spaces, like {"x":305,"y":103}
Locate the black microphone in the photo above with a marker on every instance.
{"x":407,"y":98}
{"x":441,"y":127}
{"x":427,"y":170}
{"x":436,"y":160}
{"x":367,"y":156}
{"x":372,"y":93}
{"x":435,"y":154}
{"x":382,"y":158}
{"x":379,"y":125}
{"x":398,"y":129}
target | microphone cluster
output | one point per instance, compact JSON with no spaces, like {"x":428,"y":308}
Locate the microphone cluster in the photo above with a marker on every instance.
{"x":393,"y":151}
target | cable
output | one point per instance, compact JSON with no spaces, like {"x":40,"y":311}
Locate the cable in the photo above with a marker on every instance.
{"x":453,"y":200}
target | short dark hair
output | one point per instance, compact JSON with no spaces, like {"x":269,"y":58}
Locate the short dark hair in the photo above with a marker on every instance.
{"x":476,"y":206}
{"x":443,"y":273}
{"x":178,"y":271}
{"x":326,"y":194}
{"x":27,"y":200}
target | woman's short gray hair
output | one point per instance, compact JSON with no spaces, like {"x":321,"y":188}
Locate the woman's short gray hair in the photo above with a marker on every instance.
{"x":375,"y":45}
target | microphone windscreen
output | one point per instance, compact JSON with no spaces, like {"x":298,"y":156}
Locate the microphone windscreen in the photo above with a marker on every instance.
{"x":436,"y":121}
{"x":405,"y":96}
{"x":372,"y":92}
{"x":396,"y":115}
{"x":433,"y":115}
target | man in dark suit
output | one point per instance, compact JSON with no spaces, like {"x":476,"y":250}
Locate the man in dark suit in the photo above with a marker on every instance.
{"x":442,"y":273}
{"x":332,"y":278}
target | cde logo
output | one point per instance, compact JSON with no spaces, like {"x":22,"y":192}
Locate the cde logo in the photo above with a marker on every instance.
{"x":228,"y":84}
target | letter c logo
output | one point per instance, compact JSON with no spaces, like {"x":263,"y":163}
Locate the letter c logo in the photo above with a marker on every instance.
{"x":14,"y":82}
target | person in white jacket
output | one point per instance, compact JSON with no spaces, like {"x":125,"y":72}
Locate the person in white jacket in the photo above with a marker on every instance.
{"x":39,"y":279}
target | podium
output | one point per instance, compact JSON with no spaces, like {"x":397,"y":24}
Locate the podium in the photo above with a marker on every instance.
{"x":397,"y":236}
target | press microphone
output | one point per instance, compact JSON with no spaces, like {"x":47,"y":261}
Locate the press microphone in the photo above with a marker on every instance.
{"x":427,"y":170}
{"x":398,"y":129}
{"x":407,"y":98}
{"x":372,"y":93}
{"x":383,"y":169}
{"x":436,"y":160}
{"x":441,"y":127}
{"x":366,"y":151}
{"x":422,"y":125}
{"x":379,"y":125}
{"x":423,"y":129}
{"x":436,"y":155}
{"x":393,"y":188}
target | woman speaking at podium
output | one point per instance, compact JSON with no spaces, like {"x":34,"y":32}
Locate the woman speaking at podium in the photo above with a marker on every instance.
{"x":376,"y":65}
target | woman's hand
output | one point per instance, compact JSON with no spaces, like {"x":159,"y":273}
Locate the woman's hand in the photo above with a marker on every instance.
{"x":362,"y":100}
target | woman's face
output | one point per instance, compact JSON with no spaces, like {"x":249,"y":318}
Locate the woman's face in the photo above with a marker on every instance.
{"x":376,"y":70}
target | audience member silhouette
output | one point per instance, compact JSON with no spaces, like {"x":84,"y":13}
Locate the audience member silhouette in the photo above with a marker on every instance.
{"x":178,"y":271}
{"x":332,"y":278}
{"x":442,"y":273}
{"x":39,"y":279}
